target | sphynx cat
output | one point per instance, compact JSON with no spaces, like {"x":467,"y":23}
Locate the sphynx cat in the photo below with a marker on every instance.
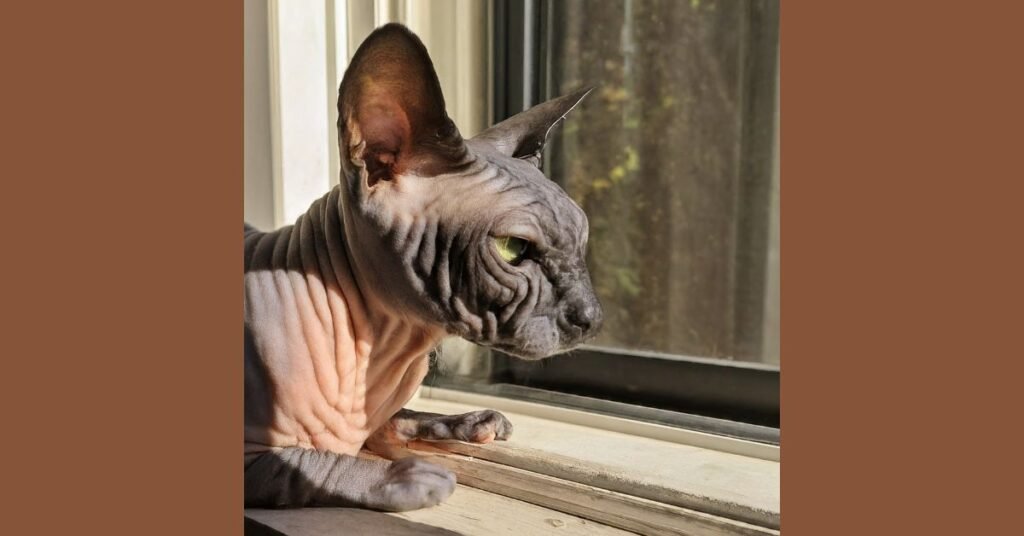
{"x":428,"y":235}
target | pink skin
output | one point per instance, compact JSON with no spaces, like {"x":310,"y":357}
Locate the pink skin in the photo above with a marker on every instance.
{"x":335,"y":384}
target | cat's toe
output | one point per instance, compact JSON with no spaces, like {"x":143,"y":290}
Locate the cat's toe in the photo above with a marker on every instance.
{"x":413,"y":483}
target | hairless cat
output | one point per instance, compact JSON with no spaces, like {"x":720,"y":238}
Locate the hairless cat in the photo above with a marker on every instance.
{"x":428,"y":235}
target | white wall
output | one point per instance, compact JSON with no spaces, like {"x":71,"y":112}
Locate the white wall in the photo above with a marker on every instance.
{"x":259,"y":200}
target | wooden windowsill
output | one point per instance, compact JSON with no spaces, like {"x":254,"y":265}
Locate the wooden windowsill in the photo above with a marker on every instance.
{"x":468,"y":511}
{"x":555,"y":477}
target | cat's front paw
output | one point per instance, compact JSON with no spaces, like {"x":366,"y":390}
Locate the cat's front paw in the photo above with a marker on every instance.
{"x":481,"y":426}
{"x":412,"y":483}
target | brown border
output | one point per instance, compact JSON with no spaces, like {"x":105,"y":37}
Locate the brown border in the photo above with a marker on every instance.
{"x":123,"y":173}
{"x":122,"y":177}
{"x":900,"y":162}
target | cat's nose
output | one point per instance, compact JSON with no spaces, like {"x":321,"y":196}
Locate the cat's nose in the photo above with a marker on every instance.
{"x":586,"y":315}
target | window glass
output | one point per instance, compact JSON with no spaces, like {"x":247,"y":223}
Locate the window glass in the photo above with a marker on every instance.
{"x":674,"y":159}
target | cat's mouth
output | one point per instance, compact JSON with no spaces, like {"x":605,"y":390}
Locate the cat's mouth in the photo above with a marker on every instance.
{"x":542,"y":342}
{"x":527,"y":354}
{"x":518,"y":351}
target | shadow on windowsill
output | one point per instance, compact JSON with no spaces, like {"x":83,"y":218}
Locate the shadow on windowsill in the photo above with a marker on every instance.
{"x":322,"y":521}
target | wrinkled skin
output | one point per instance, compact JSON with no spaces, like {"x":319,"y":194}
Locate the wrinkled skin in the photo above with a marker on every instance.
{"x":439,"y":234}
{"x":343,"y":307}
{"x":437,"y":229}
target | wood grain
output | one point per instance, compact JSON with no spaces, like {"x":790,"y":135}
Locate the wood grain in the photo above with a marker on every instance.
{"x":469,"y":512}
{"x":620,"y":510}
{"x":701,"y":479}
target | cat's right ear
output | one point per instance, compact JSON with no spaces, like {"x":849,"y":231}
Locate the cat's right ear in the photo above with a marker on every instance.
{"x":523,"y":135}
{"x":391,"y":113}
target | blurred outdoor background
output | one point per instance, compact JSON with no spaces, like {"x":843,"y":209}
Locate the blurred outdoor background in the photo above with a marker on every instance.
{"x":675,"y":163}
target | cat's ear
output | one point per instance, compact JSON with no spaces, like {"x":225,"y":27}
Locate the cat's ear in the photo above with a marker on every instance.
{"x":523,"y":135}
{"x":391,"y":113}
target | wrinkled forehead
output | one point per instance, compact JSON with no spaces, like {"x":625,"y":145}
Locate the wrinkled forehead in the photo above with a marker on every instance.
{"x":527,"y":197}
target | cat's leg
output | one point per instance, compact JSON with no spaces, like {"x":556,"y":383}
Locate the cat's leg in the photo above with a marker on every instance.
{"x":481,"y":426}
{"x":296,"y":477}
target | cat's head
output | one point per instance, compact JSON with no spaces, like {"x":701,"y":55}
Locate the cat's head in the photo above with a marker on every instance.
{"x":467,"y":234}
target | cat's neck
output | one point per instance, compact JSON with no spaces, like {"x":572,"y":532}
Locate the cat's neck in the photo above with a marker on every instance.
{"x":316,"y":247}
{"x":395,"y":344}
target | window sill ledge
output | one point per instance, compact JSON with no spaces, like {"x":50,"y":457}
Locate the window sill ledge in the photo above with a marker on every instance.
{"x":570,"y":478}
{"x":468,"y":512}
{"x":621,"y":479}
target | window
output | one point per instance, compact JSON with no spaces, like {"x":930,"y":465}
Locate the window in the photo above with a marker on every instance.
{"x":674,"y":159}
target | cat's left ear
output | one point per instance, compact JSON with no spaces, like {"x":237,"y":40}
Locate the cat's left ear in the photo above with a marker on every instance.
{"x":523,"y":135}
{"x":391,"y":113}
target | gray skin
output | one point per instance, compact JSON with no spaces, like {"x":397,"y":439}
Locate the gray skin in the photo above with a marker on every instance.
{"x":411,"y":230}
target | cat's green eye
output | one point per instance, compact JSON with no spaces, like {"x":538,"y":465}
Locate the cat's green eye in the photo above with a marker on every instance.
{"x":510,"y":248}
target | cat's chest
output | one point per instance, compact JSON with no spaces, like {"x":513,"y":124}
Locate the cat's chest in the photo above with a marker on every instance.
{"x":315,"y":377}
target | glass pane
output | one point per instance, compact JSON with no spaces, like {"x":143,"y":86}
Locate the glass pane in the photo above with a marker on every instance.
{"x":673,"y":157}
